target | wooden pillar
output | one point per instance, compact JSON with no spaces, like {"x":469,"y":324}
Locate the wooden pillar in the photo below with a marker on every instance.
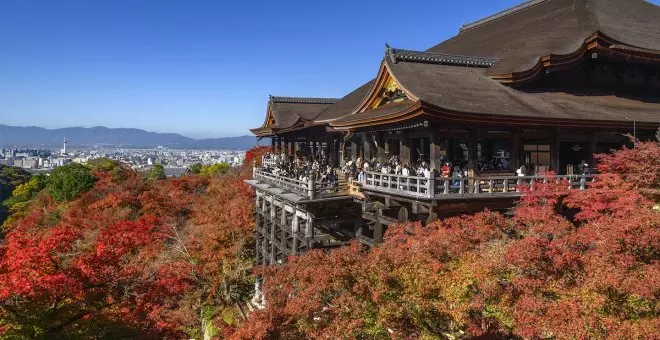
{"x":272,"y":144}
{"x":366,"y":153}
{"x":284,"y":231}
{"x":449,"y":144}
{"x":279,"y":144}
{"x":286,"y":147}
{"x":473,"y":152}
{"x":380,"y":151}
{"x":258,"y":236}
{"x":386,"y":150}
{"x":309,"y":230}
{"x":514,"y":158}
{"x":294,"y":231}
{"x":554,"y":151}
{"x":273,"y":225}
{"x":312,"y":149}
{"x":435,"y":151}
{"x":405,"y":154}
{"x":354,"y":150}
{"x":336,"y":160}
{"x":378,"y":227}
{"x":591,"y":149}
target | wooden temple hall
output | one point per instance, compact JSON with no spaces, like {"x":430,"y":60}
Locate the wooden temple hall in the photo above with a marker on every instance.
{"x":538,"y":87}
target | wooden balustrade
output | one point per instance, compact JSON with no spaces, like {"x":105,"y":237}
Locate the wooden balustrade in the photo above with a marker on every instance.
{"x":420,"y":187}
{"x":439,"y":187}
{"x":414,"y":186}
{"x":310,"y":188}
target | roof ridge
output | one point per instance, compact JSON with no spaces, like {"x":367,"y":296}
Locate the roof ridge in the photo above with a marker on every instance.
{"x":509,"y":11}
{"x":302,"y":100}
{"x":396,"y":55}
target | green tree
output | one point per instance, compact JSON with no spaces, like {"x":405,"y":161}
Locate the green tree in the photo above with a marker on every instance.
{"x":195,"y":168}
{"x":157,"y":172}
{"x":26,"y":191}
{"x":214,"y":169}
{"x":68,"y":181}
{"x":10,"y":178}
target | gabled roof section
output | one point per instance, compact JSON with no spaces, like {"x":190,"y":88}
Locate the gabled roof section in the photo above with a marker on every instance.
{"x":289,"y":113}
{"x":468,"y":95}
{"x":543,"y":33}
{"x":303,"y":100}
{"x":345,"y":105}
{"x":397,"y":55}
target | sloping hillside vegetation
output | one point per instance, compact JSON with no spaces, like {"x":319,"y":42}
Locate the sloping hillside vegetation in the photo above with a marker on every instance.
{"x":101,"y":251}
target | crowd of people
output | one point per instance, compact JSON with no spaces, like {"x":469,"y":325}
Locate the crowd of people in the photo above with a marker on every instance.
{"x":358,"y":168}
{"x":301,"y":167}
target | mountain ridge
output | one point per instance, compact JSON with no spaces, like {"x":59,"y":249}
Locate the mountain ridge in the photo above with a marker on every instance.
{"x":34,"y":136}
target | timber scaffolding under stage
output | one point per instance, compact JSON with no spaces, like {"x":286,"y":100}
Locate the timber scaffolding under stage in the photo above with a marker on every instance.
{"x":293,"y":216}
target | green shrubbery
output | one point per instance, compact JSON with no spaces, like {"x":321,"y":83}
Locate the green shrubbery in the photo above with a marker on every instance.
{"x":69,"y":181}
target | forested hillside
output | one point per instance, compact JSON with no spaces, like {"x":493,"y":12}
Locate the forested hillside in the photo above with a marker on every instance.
{"x":100,"y":251}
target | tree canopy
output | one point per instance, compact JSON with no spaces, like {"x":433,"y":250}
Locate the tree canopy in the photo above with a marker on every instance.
{"x":10,"y":178}
{"x":130,"y":257}
{"x":68,"y":181}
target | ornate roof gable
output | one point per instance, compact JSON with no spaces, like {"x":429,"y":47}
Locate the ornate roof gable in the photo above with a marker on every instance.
{"x":397,"y":55}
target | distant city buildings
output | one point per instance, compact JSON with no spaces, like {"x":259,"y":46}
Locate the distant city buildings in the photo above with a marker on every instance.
{"x":175,"y":161}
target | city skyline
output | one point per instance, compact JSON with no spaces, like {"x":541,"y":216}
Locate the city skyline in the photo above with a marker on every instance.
{"x":201,"y":71}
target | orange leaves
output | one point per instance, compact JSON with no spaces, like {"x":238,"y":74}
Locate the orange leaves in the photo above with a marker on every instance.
{"x":535,"y":274}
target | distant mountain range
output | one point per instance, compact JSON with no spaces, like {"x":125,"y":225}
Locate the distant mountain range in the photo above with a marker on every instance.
{"x":32,"y":136}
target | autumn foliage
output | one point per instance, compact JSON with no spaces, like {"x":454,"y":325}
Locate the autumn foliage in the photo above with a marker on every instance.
{"x":532,"y":274}
{"x":139,"y":258}
{"x":130,"y":257}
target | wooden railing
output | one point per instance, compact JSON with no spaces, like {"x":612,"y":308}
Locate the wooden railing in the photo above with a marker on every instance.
{"x":398,"y":184}
{"x":445,"y":187}
{"x":269,"y":161}
{"x":310,"y":188}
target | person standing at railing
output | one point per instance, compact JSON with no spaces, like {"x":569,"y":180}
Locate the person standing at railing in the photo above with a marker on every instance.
{"x":446,"y":169}
{"x":457,"y":175}
{"x":405,"y":171}
{"x":362,"y":176}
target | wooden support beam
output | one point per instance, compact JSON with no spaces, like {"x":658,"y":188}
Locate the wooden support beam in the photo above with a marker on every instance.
{"x":367,"y":150}
{"x":354,"y":150}
{"x":473,"y":152}
{"x":309,"y":230}
{"x":391,"y":203}
{"x":435,"y":151}
{"x":591,"y":149}
{"x":405,"y":152}
{"x":294,"y":232}
{"x":380,"y":153}
{"x":554,"y":151}
{"x":515,"y":142}
{"x":378,"y":227}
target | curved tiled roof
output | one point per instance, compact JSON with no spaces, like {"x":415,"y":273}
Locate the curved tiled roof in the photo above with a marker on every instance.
{"x":469,"y":91}
{"x":397,"y":55}
{"x":458,"y":74}
{"x":285,"y":113}
{"x":523,"y":34}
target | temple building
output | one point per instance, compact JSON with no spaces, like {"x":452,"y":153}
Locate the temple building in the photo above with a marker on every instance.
{"x":541,"y":86}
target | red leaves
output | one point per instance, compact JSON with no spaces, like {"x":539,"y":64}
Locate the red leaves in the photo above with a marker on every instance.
{"x":536,"y":274}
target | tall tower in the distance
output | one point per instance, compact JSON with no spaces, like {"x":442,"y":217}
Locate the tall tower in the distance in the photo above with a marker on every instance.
{"x":64,"y":147}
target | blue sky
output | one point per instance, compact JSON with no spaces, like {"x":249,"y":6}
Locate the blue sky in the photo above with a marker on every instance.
{"x":200,"y":68}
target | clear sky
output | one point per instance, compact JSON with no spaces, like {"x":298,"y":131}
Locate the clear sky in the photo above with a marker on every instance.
{"x":200,"y":68}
